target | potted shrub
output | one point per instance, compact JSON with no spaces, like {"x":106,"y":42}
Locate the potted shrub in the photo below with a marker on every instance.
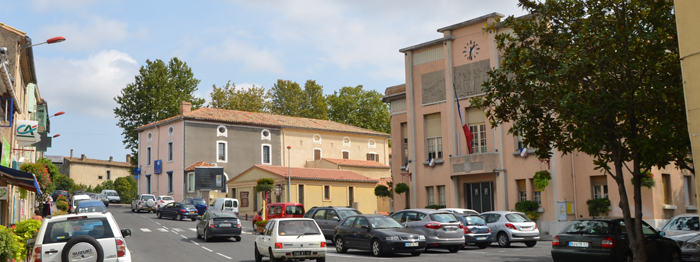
{"x":400,"y":189}
{"x":598,"y":207}
{"x":541,"y":179}
{"x":260,"y":225}
{"x":647,"y":180}
{"x":529,"y":208}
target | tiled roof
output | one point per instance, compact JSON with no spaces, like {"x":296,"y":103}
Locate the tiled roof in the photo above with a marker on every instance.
{"x":314,"y":174}
{"x":383,"y":181}
{"x":97,"y":162}
{"x":198,"y":164}
{"x":395,"y":89}
{"x":266,"y":120}
{"x":357,"y":163}
{"x":54,"y":159}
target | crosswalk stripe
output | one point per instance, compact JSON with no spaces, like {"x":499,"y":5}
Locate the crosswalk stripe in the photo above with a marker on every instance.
{"x":193,"y":229}
{"x":145,"y":230}
{"x":162,"y":230}
{"x":224,"y":255}
{"x":177,"y":229}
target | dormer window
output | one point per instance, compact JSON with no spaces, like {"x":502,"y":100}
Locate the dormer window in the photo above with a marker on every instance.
{"x":265,"y":135}
{"x":221,"y":131}
{"x":317,"y":139}
{"x":346,"y":141}
{"x":372,"y":143}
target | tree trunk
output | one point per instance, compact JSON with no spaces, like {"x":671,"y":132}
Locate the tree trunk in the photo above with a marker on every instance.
{"x":634,"y":233}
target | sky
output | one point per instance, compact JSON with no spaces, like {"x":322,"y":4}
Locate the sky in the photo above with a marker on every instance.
{"x":336,"y":43}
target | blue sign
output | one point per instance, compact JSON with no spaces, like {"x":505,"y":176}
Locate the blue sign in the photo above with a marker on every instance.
{"x":158,"y":166}
{"x":136,"y":177}
{"x":137,"y":170}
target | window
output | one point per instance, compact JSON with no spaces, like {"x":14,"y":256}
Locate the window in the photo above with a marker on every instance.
{"x":433,"y":135}
{"x":666,"y":185}
{"x":170,"y":182}
{"x":109,"y":175}
{"x":317,"y":139}
{"x":221,"y":151}
{"x":351,"y":196}
{"x":221,"y":131}
{"x":170,"y":151}
{"x":190,"y":182}
{"x":397,"y":105}
{"x":266,"y":154}
{"x":234,"y":191}
{"x":148,"y":184}
{"x":149,"y":137}
{"x":349,"y":222}
{"x":301,"y":194}
{"x":431,"y":195}
{"x":148,"y":156}
{"x":371,"y":143}
{"x":522,"y":191}
{"x":317,"y":154}
{"x":373,"y":157}
{"x":346,"y":155}
{"x":404,"y":142}
{"x":171,"y":131}
{"x":320,"y":214}
{"x":99,"y":177}
{"x":361,"y":221}
{"x":689,"y":196}
{"x":346,"y":141}
{"x":441,"y":193}
{"x":536,"y":193}
{"x":519,"y":143}
{"x":265,"y":135}
{"x":326,"y":192}
{"x":476,"y":121}
{"x":599,"y":186}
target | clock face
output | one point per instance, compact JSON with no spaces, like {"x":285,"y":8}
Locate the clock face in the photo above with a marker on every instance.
{"x":471,"y":50}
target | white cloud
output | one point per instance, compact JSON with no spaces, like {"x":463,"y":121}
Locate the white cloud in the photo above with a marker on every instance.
{"x":253,"y":58}
{"x":85,"y":87}
{"x":89,"y":35}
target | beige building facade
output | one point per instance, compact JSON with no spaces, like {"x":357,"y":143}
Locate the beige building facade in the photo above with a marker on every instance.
{"x":431,"y":154}
{"x":93,"y":172}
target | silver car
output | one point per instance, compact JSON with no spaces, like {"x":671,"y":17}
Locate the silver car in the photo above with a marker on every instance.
{"x":685,"y":230}
{"x":441,"y":228}
{"x":508,"y":227}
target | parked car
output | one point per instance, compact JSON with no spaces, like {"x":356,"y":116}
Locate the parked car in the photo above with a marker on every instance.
{"x":378,"y":233}
{"x":685,"y":230}
{"x":161,"y":201}
{"x":199,"y":203}
{"x":178,"y":211}
{"x":91,"y":195}
{"x":219,"y":223}
{"x":78,"y":192}
{"x":77,"y":199}
{"x":475,"y":230}
{"x":88,"y":206}
{"x":441,"y":228}
{"x":112,"y":195}
{"x":461,"y":211}
{"x":230,"y":204}
{"x":145,"y":202}
{"x":103,"y":198}
{"x":606,"y":240}
{"x":329,"y":217}
{"x":57,"y":193}
{"x":69,"y":237}
{"x":281,"y":210}
{"x":290,"y":238}
{"x":508,"y":227}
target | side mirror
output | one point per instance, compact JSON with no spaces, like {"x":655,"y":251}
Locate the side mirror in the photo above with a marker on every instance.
{"x":126,"y":232}
{"x":31,"y":242}
{"x":336,"y":218}
{"x":404,"y":225}
{"x":662,"y":233}
{"x":364,"y":227}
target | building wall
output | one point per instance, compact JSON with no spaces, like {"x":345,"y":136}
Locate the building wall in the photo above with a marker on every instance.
{"x":160,"y":137}
{"x":89,"y":174}
{"x":331,"y":145}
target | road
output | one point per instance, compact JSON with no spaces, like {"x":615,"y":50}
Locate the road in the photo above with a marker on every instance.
{"x":156,"y":239}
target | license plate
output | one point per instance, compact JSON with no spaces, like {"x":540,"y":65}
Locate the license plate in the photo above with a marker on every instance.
{"x":480,"y":238}
{"x":191,"y":212}
{"x":411,"y":244}
{"x":526,"y":228}
{"x":578,"y":244}
{"x":301,"y":253}
{"x":450,"y":229}
{"x":225,"y":225}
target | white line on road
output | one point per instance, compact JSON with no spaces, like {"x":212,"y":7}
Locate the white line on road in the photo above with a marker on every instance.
{"x":163,"y":230}
{"x":194,"y":242}
{"x":249,"y":232}
{"x":207,"y":249}
{"x":336,"y":255}
{"x":183,"y":236}
{"x":174,"y":232}
{"x":177,"y":229}
{"x":194,"y":229}
{"x":223,"y":255}
{"x":159,"y":223}
{"x":146,"y":230}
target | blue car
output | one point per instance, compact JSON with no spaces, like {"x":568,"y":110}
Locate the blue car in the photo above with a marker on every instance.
{"x":199,"y":203}
{"x":88,"y":206}
{"x":178,"y":211}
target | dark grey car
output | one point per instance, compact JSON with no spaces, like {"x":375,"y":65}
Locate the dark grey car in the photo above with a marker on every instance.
{"x":441,"y":228}
{"x":685,"y":230}
{"x":328,"y":218}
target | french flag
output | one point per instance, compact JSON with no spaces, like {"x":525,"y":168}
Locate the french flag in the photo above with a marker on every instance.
{"x":467,"y":133}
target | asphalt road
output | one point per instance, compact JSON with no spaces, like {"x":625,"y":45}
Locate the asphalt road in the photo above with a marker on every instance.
{"x":156,"y":239}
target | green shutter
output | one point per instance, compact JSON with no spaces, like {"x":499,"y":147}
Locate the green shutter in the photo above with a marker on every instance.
{"x":31,"y":97}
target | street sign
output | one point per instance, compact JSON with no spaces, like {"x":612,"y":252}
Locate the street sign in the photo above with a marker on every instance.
{"x":278,"y":190}
{"x":158,"y":166}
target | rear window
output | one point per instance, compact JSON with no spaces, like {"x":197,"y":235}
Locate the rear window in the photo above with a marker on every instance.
{"x":112,"y":194}
{"x":444,"y":218}
{"x":517,"y":217}
{"x":91,"y":209}
{"x":188,"y":206}
{"x":224,"y":215}
{"x":475,"y":221}
{"x":295,"y":210}
{"x":683,"y":223}
{"x":349,"y":212}
{"x":589,"y":227}
{"x":297,"y":227}
{"x":198,"y":202}
{"x":148,"y":197}
{"x":62,"y":231}
{"x":168,"y":198}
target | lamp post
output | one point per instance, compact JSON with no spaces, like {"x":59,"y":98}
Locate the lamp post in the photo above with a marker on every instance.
{"x":289,"y":175}
{"x":56,"y":135}
{"x":53,"y":40}
{"x":57,"y":114}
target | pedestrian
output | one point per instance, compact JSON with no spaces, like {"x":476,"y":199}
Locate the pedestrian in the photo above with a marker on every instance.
{"x":37,"y":215}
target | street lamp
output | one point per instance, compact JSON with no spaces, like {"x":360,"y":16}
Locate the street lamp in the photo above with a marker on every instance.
{"x":53,"y":40}
{"x":289,"y":175}
{"x":57,"y":114}
{"x":56,"y":135}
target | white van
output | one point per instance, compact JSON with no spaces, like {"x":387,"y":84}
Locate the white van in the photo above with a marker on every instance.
{"x":112,"y":195}
{"x":225,"y":204}
{"x":76,"y":199}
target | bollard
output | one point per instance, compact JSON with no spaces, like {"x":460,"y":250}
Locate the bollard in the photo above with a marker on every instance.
{"x":246,"y":217}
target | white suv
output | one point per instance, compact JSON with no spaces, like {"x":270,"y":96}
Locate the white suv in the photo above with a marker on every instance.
{"x":146,"y":202}
{"x":81,"y":237}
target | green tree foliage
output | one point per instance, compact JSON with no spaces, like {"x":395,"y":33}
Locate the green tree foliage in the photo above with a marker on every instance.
{"x":7,"y":242}
{"x":361,"y":108}
{"x":382,"y":191}
{"x":598,"y":77}
{"x":287,"y":99}
{"x":316,"y":102}
{"x":155,"y":94}
{"x":24,"y":230}
{"x":529,"y":208}
{"x":124,"y":189}
{"x":43,"y":178}
{"x":53,"y":169}
{"x":63,"y":182}
{"x":62,"y":205}
{"x":253,"y":99}
{"x":264,"y":185}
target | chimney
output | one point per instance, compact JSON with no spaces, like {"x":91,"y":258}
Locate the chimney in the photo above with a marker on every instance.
{"x":71,"y":153}
{"x":82,"y":157}
{"x":128,"y":158}
{"x":185,"y":107}
{"x":110,"y":158}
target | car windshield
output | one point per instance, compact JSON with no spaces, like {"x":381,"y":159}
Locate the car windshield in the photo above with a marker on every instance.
{"x":686,"y":223}
{"x":148,"y":198}
{"x":295,"y":210}
{"x":102,"y":196}
{"x":112,"y":194}
{"x":474,"y":221}
{"x":188,"y":206}
{"x":444,"y":218}
{"x":62,"y":231}
{"x":517,"y":217}
{"x":384,"y":222}
{"x":167,"y":198}
{"x":587,"y":227}
{"x":349,"y":212}
{"x":297,"y":227}
{"x":198,"y":202}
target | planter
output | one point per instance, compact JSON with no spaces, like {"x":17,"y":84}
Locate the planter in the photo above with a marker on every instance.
{"x":260,"y":229}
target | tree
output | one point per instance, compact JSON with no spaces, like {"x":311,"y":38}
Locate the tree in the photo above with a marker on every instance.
{"x":124,"y":188}
{"x":53,"y":169}
{"x":63,"y":182}
{"x":155,"y":94}
{"x":598,"y":77}
{"x":253,"y":99}
{"x":361,"y":108}
{"x":287,"y":99}
{"x":43,"y":178}
{"x":317,"y":104}
{"x":400,"y":189}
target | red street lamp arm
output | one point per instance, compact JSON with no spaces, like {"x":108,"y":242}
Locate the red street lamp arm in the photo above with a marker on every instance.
{"x":56,"y":135}
{"x":52,"y":40}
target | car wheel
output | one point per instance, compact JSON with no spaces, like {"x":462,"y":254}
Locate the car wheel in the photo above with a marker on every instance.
{"x":503,"y":240}
{"x":258,"y":257}
{"x":454,"y":249}
{"x":415,"y":254}
{"x":82,"y":243}
{"x":272,"y":257}
{"x":340,"y":245}
{"x":321,"y":259}
{"x":238,"y":239}
{"x":675,"y":256}
{"x":206,"y":236}
{"x":159,"y":215}
{"x":531,"y":243}
{"x":483,"y":245}
{"x":179,"y":217}
{"x":193,"y":219}
{"x":132,"y":210}
{"x":377,"y":248}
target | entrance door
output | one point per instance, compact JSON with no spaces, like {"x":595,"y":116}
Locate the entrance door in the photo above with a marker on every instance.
{"x":479,"y":196}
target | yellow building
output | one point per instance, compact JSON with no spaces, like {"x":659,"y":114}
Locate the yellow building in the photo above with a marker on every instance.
{"x":310,"y":187}
{"x":93,"y":172}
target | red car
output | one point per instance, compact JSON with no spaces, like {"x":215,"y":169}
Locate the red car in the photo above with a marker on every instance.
{"x":281,"y":210}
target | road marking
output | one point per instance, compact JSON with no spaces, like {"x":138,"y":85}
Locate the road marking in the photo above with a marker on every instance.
{"x":162,"y":230}
{"x":223,"y":255}
{"x":157,"y":223}
{"x":249,"y":232}
{"x":176,"y":233}
{"x":183,"y":236}
{"x":177,"y":229}
{"x":146,"y":230}
{"x":207,"y":249}
{"x":194,"y":242}
{"x":194,"y":229}
{"x":336,"y":255}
